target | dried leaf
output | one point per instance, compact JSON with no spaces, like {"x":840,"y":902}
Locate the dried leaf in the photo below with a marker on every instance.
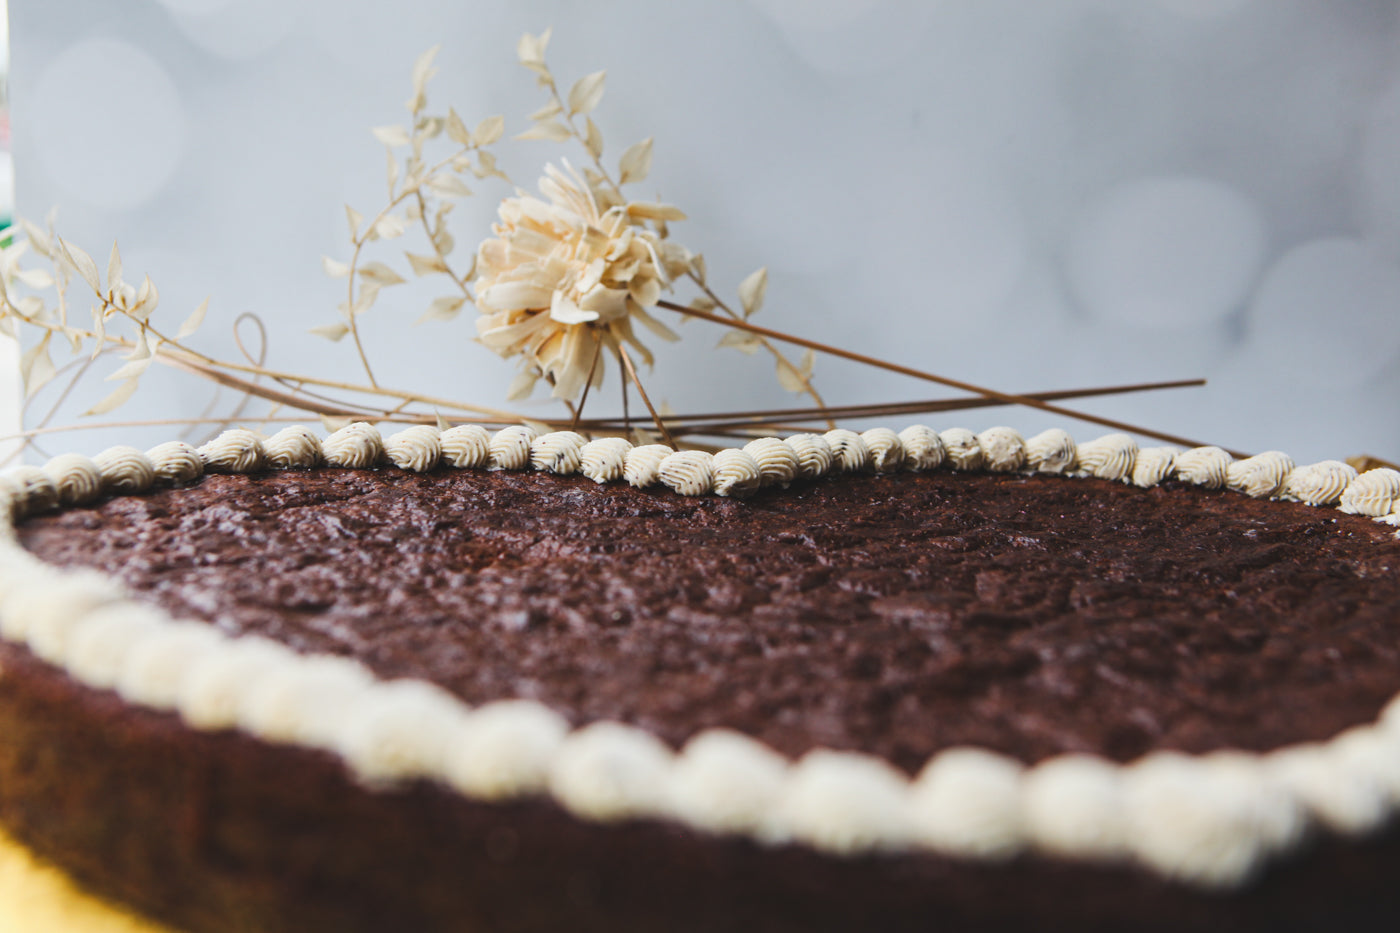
{"x":457,"y":130}
{"x":809,"y":362}
{"x":392,"y":172}
{"x":551,"y":109}
{"x":114,"y":269}
{"x":593,"y":140}
{"x":697,"y":266}
{"x":132,"y":369}
{"x":423,"y":72}
{"x":788,"y":376}
{"x":388,"y":227}
{"x":333,"y":268}
{"x":193,"y":321}
{"x":37,"y":238}
{"x":740,"y":340}
{"x":442,"y":309}
{"x":391,"y":135}
{"x":752,"y":291}
{"x":635,"y":163}
{"x":36,"y":366}
{"x":442,"y":423}
{"x":331,"y":332}
{"x":355,"y":218}
{"x":587,"y":92}
{"x":118,"y":398}
{"x":369,"y":294}
{"x":35,"y":278}
{"x":426,"y":265}
{"x":522,"y":385}
{"x":83,"y":263}
{"x":530,"y":49}
{"x":551,"y":130}
{"x":653,"y":210}
{"x":380,"y":273}
{"x":489,"y":130}
{"x":333,"y":423}
{"x":447,"y":185}
{"x":146,"y":300}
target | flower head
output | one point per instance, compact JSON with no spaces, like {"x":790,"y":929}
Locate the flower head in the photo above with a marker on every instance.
{"x":562,"y":276}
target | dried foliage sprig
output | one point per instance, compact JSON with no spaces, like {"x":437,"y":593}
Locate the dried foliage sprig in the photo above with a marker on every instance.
{"x":559,"y":285}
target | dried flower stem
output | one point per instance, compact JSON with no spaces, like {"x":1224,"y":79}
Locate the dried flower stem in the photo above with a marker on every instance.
{"x":1003,"y":397}
{"x":632,"y":374}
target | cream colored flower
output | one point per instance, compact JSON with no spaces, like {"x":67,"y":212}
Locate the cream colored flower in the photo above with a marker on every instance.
{"x":563,"y":274}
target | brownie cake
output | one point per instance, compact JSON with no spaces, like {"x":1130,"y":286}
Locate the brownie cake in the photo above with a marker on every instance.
{"x":879,"y":682}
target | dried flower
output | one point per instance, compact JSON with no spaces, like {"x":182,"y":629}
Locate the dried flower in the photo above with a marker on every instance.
{"x":562,"y":275}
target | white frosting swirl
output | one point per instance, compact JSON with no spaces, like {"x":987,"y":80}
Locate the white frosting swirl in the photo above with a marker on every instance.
{"x":1193,"y":823}
{"x":1109,"y":457}
{"x":886,"y":450}
{"x":736,"y":473}
{"x":1153,"y":465}
{"x":688,"y":472}
{"x":176,"y":463}
{"x":34,"y":489}
{"x":643,"y":466}
{"x":1052,"y":451}
{"x":814,"y":455}
{"x":1340,"y":798}
{"x":844,"y":803}
{"x":603,"y":460}
{"x":125,"y":469}
{"x":294,"y":447}
{"x":466,"y":447}
{"x":967,"y":802}
{"x":398,"y":731}
{"x":607,"y":771}
{"x":357,"y":446}
{"x":505,"y":749}
{"x":305,"y":702}
{"x":1003,"y":449}
{"x":510,"y":447}
{"x":76,"y":478}
{"x":777,"y":461}
{"x":236,"y":450}
{"x":417,"y":448}
{"x":39,"y":603}
{"x":1073,"y":805}
{"x":1203,"y":466}
{"x":923,"y":448}
{"x":961,"y":449}
{"x":848,"y":451}
{"x":1319,"y":483}
{"x":210,"y":694}
{"x":99,"y":641}
{"x":154,"y":670}
{"x":1373,"y":493}
{"x":725,"y":782}
{"x":557,"y":452}
{"x":1261,"y":476}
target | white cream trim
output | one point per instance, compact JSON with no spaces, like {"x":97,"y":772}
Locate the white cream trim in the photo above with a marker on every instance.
{"x":1210,"y":821}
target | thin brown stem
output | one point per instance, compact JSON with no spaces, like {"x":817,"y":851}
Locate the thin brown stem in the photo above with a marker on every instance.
{"x":592,"y":370}
{"x":641,"y":390}
{"x":930,"y":377}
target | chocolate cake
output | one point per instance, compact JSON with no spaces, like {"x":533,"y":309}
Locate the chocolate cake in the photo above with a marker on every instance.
{"x":458,"y":681}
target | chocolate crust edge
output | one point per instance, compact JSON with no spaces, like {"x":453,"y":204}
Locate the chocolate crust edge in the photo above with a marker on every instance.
{"x":224,"y":833}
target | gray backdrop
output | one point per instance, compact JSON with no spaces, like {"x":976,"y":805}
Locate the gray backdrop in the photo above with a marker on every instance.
{"x":1022,"y":193}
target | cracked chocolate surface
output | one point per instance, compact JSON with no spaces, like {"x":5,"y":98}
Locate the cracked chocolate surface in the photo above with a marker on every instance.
{"x":895,"y":615}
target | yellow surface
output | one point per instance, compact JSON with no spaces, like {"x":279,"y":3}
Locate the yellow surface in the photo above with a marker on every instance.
{"x":35,"y":897}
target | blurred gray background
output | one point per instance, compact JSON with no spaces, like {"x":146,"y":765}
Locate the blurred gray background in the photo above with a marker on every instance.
{"x":1028,"y":194}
